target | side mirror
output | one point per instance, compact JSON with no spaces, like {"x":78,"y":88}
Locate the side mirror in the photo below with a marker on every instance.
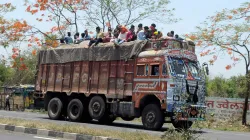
{"x":205,"y":65}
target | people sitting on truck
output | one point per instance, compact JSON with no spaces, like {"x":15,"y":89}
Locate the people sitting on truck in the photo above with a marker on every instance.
{"x":152,"y":30}
{"x":157,"y":35}
{"x":108,"y":35}
{"x":117,"y":31}
{"x":140,"y":28}
{"x":131,"y":34}
{"x":172,"y":33}
{"x":86,"y":36}
{"x":62,"y":41}
{"x":178,"y":38}
{"x":143,"y":34}
{"x":76,"y":38}
{"x":68,"y":39}
{"x":99,"y":37}
{"x":122,"y":36}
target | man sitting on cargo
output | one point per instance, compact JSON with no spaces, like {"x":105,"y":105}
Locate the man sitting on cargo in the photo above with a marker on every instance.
{"x":86,"y":36}
{"x":131,"y":34}
{"x":122,"y":36}
{"x":98,"y":38}
{"x":152,"y":30}
{"x":143,"y":34}
{"x":68,"y":39}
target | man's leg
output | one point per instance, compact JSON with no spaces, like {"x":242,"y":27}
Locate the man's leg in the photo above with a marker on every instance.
{"x":8,"y":104}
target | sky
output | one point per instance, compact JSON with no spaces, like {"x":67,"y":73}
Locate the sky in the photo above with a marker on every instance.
{"x":192,"y":13}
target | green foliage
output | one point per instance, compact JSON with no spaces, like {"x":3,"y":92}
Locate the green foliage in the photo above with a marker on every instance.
{"x":234,"y":87}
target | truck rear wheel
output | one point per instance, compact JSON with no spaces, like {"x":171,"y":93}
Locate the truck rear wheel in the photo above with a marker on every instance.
{"x":182,"y":124}
{"x":55,"y":108}
{"x":152,"y":117}
{"x":75,"y":110}
{"x":97,"y":107}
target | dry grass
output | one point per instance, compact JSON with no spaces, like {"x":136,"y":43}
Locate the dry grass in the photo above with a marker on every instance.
{"x":79,"y":129}
{"x":171,"y":134}
{"x":233,"y":124}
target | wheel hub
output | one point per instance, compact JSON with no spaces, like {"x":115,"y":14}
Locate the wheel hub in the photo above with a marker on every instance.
{"x":96,"y":107}
{"x":150,"y":117}
{"x":75,"y":110}
{"x":54,"y":108}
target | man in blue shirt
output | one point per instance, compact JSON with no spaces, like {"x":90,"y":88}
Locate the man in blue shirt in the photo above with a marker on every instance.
{"x":68,"y":39}
{"x":143,"y":34}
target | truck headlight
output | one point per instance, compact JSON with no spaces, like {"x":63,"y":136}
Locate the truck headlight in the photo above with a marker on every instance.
{"x":176,"y":97}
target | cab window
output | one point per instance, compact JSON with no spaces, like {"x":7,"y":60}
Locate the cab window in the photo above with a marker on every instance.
{"x":155,"y":70}
{"x":142,"y":70}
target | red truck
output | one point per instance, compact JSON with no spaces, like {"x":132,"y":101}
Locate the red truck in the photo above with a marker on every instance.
{"x":154,"y":80}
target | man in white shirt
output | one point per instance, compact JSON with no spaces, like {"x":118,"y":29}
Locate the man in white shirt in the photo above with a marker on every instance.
{"x":7,"y":102}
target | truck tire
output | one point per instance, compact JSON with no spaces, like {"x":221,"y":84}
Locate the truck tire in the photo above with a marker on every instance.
{"x":75,"y":110}
{"x":128,"y":118}
{"x":55,"y":108}
{"x":97,"y":107}
{"x":152,"y":117}
{"x":182,"y":124}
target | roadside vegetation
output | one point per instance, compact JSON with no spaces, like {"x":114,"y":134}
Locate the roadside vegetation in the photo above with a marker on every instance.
{"x":170,"y":134}
{"x":233,"y":124}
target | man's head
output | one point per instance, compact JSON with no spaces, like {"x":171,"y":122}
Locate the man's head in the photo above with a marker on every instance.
{"x":86,"y":32}
{"x":82,"y":35}
{"x":176,"y":36}
{"x":98,"y":29}
{"x":123,"y":29}
{"x":140,"y":26}
{"x":69,"y":33}
{"x":169,"y":34}
{"x":146,"y":28}
{"x":152,"y":27}
{"x":172,"y":33}
{"x":132,"y":27}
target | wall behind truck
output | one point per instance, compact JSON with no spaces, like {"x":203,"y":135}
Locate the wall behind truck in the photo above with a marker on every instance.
{"x":112,"y":78}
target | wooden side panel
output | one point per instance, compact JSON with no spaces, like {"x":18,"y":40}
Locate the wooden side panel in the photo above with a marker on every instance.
{"x":94,"y":77}
{"x":44,"y":78}
{"x":112,"y":78}
{"x":128,"y":84}
{"x":84,"y":78}
{"x":103,"y":78}
{"x":51,"y":78}
{"x":76,"y":76}
{"x":120,"y":78}
{"x":38,"y":80}
{"x":66,"y":77}
{"x":59,"y":73}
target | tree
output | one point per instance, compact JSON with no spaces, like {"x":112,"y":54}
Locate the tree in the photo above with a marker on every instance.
{"x":228,"y":32}
{"x":126,"y":12}
{"x":68,"y":13}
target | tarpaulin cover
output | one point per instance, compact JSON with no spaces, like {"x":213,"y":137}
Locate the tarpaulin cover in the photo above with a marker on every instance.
{"x":102,"y":52}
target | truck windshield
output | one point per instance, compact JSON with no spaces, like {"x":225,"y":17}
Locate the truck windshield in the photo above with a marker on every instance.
{"x":178,"y":66}
{"x":193,"y":67}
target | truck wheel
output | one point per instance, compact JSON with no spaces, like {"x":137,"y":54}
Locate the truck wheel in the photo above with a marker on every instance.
{"x":75,"y":110}
{"x":55,"y":107}
{"x":182,"y":124}
{"x":152,"y":117}
{"x":107,"y":119}
{"x":97,"y":107}
{"x":128,"y":118}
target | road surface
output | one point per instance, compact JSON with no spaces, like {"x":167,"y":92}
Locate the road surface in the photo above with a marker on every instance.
{"x":129,"y":126}
{"x":6,"y":135}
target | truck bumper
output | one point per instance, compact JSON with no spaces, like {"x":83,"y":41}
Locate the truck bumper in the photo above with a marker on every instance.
{"x":189,"y":113}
